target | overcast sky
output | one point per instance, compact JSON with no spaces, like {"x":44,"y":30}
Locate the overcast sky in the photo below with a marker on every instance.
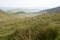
{"x":30,"y":3}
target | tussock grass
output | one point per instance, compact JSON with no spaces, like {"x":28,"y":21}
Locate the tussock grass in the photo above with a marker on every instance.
{"x":41,"y":27}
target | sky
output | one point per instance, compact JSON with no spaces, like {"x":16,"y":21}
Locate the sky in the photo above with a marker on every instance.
{"x":33,"y":4}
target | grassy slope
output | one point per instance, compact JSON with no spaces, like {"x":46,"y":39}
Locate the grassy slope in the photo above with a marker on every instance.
{"x":6,"y":19}
{"x":41,"y":27}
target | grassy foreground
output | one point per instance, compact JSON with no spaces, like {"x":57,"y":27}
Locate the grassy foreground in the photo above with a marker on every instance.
{"x":41,"y":27}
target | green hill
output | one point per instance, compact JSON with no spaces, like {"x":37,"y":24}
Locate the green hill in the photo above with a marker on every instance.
{"x":41,"y":27}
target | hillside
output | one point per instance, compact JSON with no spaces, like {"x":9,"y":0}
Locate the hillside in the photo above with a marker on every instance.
{"x":4,"y":15}
{"x":5,"y":19}
{"x":40,"y":27}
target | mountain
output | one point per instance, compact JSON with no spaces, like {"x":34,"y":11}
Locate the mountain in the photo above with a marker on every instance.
{"x":51,"y":10}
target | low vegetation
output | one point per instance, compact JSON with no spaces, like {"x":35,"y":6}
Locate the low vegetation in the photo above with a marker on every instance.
{"x":41,"y":27}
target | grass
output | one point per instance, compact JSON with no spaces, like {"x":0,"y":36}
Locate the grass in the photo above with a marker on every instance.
{"x":41,"y":27}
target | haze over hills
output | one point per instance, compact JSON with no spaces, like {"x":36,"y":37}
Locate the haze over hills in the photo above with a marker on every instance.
{"x":30,"y":12}
{"x":25,"y":10}
{"x":11,"y":9}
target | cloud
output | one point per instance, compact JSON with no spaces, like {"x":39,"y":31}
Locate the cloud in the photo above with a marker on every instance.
{"x":29,"y":3}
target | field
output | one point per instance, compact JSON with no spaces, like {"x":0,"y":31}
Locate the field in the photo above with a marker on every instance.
{"x":40,"y":27}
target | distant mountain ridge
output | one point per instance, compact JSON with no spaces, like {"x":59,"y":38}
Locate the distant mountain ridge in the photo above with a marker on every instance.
{"x":52,"y":9}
